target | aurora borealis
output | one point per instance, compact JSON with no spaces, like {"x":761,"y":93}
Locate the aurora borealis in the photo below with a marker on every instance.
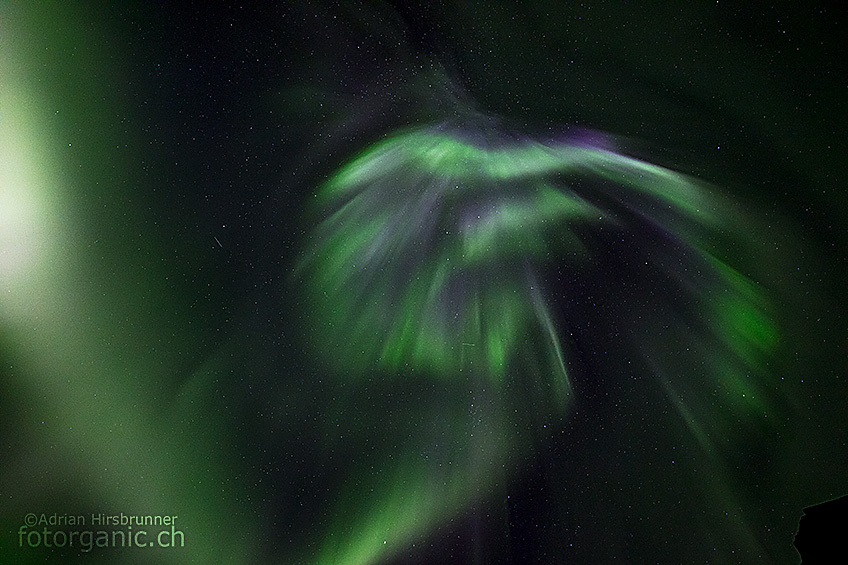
{"x":428,"y":262}
{"x":431,"y":245}
{"x":377,"y":284}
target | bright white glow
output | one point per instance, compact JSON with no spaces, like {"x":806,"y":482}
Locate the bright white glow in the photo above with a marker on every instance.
{"x":30,"y":222}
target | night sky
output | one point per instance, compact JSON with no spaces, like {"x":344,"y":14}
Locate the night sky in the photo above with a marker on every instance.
{"x":458,"y":283}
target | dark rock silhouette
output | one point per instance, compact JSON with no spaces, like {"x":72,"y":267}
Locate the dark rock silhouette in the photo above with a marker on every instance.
{"x":823,"y":533}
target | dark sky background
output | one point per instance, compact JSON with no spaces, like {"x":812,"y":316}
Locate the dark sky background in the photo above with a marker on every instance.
{"x":160,"y":365}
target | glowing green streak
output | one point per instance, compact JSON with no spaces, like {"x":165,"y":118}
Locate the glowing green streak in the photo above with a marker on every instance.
{"x":447,"y":157}
{"x":412,"y":496}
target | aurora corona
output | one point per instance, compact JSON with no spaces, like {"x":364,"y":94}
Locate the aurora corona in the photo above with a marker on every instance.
{"x":427,"y":252}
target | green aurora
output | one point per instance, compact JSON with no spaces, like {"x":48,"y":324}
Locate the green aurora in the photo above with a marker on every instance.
{"x":487,"y":346}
